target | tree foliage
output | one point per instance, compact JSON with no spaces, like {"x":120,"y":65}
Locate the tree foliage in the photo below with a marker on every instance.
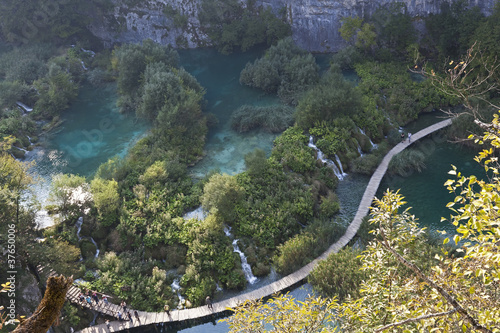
{"x":334,"y":97}
{"x":285,"y":69}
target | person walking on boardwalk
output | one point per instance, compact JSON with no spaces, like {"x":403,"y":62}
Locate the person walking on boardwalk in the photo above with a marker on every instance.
{"x":124,"y":306}
{"x":208,"y":301}
{"x":82,"y":298}
{"x":96,"y":298}
{"x":120,"y":318}
{"x":167,"y":309}
{"x":107,"y":324}
{"x":402,"y":136}
{"x":136,"y":314}
{"x":409,"y":137}
{"x":105,"y":299}
{"x":129,"y":315}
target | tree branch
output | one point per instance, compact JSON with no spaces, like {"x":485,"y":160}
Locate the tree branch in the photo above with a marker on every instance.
{"x":50,"y":307}
{"x":434,"y":285}
{"x":411,"y":320}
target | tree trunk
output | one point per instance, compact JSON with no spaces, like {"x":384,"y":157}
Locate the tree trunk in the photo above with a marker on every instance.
{"x":49,"y":308}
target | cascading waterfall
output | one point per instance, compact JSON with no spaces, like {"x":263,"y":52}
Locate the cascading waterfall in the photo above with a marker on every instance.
{"x":340,"y":175}
{"x":79,"y":223}
{"x":176,"y":287}
{"x":247,"y":269}
{"x":24,"y":106}
{"x":340,"y":165}
{"x":374,"y":145}
{"x":29,"y":139}
{"x":359,"y":150}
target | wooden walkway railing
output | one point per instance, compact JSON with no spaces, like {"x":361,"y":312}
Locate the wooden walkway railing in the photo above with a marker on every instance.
{"x":148,"y":318}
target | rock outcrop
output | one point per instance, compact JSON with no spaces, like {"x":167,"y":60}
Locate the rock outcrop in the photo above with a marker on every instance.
{"x":315,"y":23}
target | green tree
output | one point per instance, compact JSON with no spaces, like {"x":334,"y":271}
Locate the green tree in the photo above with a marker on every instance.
{"x":333,"y":97}
{"x":339,"y":275}
{"x":106,"y":199}
{"x":283,"y":314}
{"x":221,"y":194}
{"x":70,"y":192}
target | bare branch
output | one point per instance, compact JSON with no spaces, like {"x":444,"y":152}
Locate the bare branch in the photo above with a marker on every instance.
{"x":411,"y":320}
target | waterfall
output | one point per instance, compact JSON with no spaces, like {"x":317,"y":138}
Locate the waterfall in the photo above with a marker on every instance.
{"x":244,"y":264}
{"x":340,"y":165}
{"x":79,"y":223}
{"x":24,"y":106}
{"x":29,"y":139}
{"x":359,"y":150}
{"x":247,"y":269}
{"x":374,"y":145}
{"x":176,"y":289}
{"x":340,"y":175}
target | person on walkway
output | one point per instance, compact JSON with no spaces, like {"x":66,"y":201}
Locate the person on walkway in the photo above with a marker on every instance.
{"x":124,"y":306}
{"x":120,"y":318}
{"x":89,"y":300}
{"x":409,"y":137}
{"x":136,"y":314}
{"x":167,"y":309}
{"x":107,"y":324}
{"x":96,"y":298}
{"x":105,"y":299}
{"x":82,"y":298}
{"x":402,"y":136}
{"x":208,"y":301}
{"x":129,"y":315}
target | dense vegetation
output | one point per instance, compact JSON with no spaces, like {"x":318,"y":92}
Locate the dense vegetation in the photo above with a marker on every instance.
{"x":233,"y":26}
{"x":282,"y":208}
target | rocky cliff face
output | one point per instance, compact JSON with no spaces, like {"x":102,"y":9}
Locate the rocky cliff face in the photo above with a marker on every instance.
{"x":315,"y":23}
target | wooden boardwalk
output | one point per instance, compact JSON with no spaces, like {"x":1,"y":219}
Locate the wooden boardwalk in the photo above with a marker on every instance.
{"x":148,"y":318}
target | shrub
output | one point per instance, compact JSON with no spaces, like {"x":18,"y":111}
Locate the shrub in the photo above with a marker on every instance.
{"x":339,"y":275}
{"x":285,"y":69}
{"x":272,"y":118}
{"x":407,"y":162}
{"x":333,"y":97}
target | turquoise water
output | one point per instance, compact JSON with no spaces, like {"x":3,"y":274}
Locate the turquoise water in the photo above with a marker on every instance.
{"x":93,"y":131}
{"x":424,"y":191}
{"x":219,"y":74}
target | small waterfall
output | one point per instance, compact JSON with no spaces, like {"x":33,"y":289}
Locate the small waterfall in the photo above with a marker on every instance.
{"x":24,"y":106}
{"x":83,"y":65}
{"x":176,"y":287}
{"x":79,"y":223}
{"x":247,"y":269}
{"x":244,"y":264}
{"x":340,"y":175}
{"x":96,"y":248}
{"x":29,"y":139}
{"x":359,"y":150}
{"x":374,"y":145}
{"x":340,"y":165}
